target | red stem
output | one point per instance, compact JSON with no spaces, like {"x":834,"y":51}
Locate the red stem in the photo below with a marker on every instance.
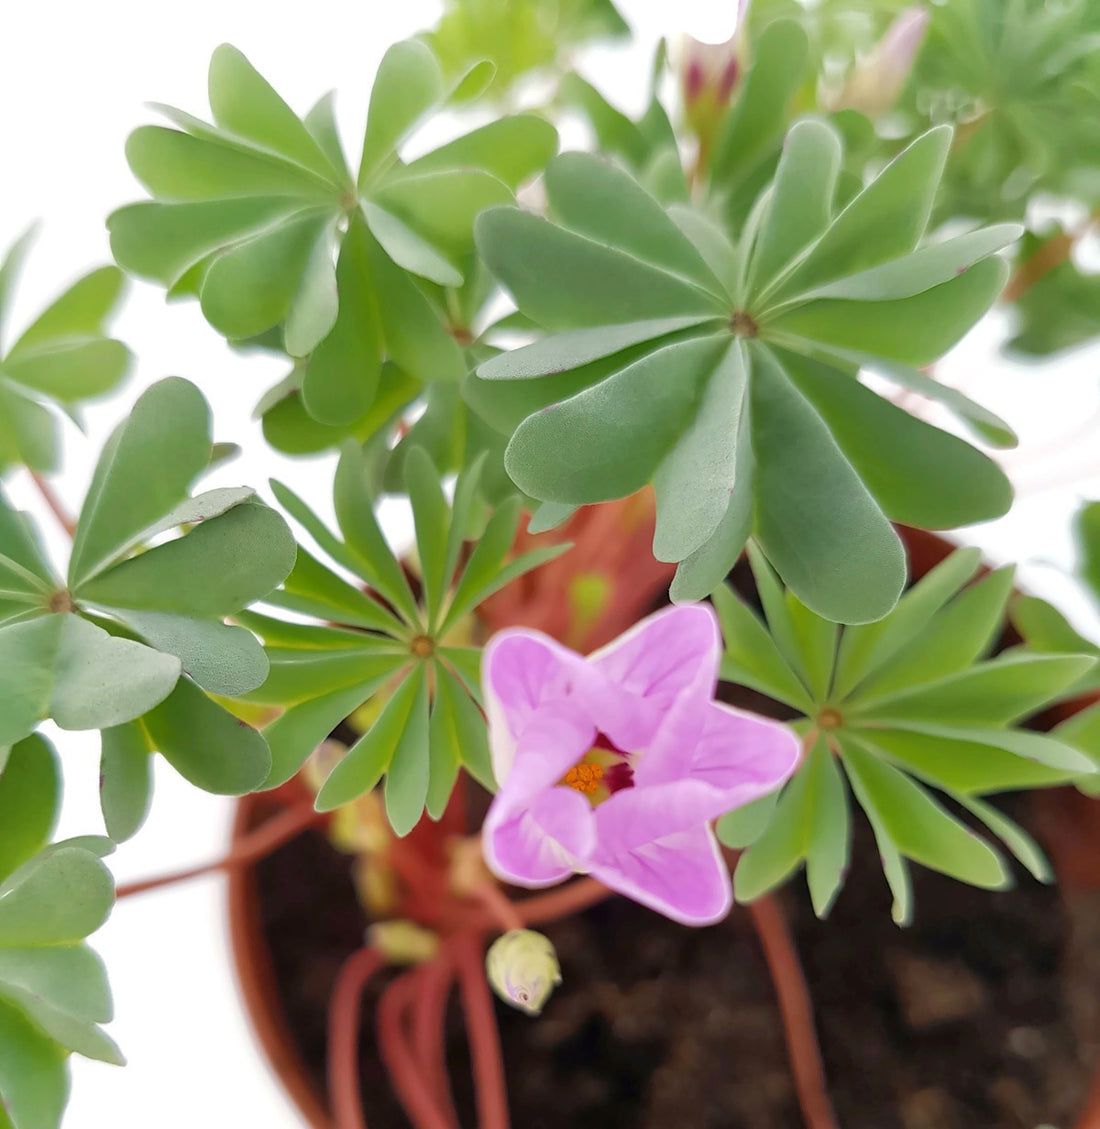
{"x":502,"y":909}
{"x":429,"y":1030}
{"x":52,"y":500}
{"x":343,"y":1038}
{"x":406,"y":1074}
{"x":796,"y":1011}
{"x":562,"y":902}
{"x":250,"y":848}
{"x":482,"y":1033}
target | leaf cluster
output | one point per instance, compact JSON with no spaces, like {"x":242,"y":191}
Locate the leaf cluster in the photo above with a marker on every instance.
{"x":903,"y":714}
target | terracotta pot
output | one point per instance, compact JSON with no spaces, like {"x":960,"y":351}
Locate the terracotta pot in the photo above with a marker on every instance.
{"x":253,"y":960}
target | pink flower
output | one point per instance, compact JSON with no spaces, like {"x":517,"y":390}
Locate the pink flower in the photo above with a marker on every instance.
{"x":614,"y":765}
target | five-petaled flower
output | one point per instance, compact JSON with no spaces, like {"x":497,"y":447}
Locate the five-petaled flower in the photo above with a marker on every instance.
{"x":614,"y":765}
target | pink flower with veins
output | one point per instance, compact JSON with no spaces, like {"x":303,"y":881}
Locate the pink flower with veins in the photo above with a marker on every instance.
{"x":614,"y":765}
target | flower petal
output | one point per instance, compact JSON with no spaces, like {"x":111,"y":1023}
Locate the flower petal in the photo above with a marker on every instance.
{"x":543,"y":842}
{"x":522,"y":671}
{"x":673,"y":652}
{"x":677,"y":871}
{"x":740,"y":755}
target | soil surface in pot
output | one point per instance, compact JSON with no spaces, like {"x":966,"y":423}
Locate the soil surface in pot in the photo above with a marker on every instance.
{"x":972,"y":1018}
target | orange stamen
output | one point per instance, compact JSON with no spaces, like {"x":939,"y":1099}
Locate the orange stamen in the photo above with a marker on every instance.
{"x":584,"y":778}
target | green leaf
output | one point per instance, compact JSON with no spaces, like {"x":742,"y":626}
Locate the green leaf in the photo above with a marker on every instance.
{"x":808,"y":495}
{"x":959,"y":634}
{"x":550,"y":515}
{"x":244,"y":103}
{"x":695,"y":481}
{"x":30,"y":799}
{"x":606,"y":441}
{"x":314,"y":589}
{"x":206,"y":744}
{"x":69,"y":978}
{"x":163,"y":241}
{"x":75,"y":370}
{"x":252,"y":284}
{"x":316,"y":302}
{"x":817,"y":640}
{"x":164,"y":446}
{"x":407,"y":776}
{"x":754,"y":128}
{"x":1046,"y":630}
{"x":407,"y":248}
{"x":915,"y":330}
{"x":19,"y":543}
{"x":917,"y":473}
{"x":28,"y":433}
{"x":57,"y":898}
{"x":222,"y":659}
{"x":998,"y":692}
{"x":776,"y":853}
{"x":11,"y":265}
{"x":27,"y":652}
{"x":299,"y":674}
{"x":84,"y":1038}
{"x":866,"y":648}
{"x":355,"y":516}
{"x":511,"y":148}
{"x":408,"y":85}
{"x":563,"y":352}
{"x":81,"y":311}
{"x":34,"y":1076}
{"x":125,"y":780}
{"x":179,"y":167}
{"x":431,"y":518}
{"x":370,"y":757}
{"x":470,"y":729}
{"x":922,"y":829}
{"x":965,"y":761}
{"x":222,"y":565}
{"x":444,"y":750}
{"x":567,"y":281}
{"x":341,"y":378}
{"x":752,"y":657}
{"x":830,"y":832}
{"x":801,"y":200}
{"x":741,"y":827}
{"x":930,"y":266}
{"x":593,"y":198}
{"x":1018,"y":841}
{"x":698,"y":575}
{"x":293,"y":735}
{"x":416,"y":340}
{"x":884,"y":221}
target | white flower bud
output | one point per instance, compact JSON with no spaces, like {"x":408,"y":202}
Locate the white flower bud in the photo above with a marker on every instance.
{"x":523,"y":969}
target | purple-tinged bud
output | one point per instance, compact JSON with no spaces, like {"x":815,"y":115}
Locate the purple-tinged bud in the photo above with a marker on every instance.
{"x":523,"y":969}
{"x":710,"y":74}
{"x":877,"y":80}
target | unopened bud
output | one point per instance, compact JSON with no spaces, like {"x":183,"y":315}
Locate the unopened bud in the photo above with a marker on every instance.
{"x":877,"y":80}
{"x":710,"y":74}
{"x":523,"y":969}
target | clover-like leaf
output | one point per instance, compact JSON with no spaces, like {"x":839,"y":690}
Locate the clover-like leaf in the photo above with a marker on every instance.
{"x":53,"y":988}
{"x":728,"y":379}
{"x":399,"y":656}
{"x":261,"y":218}
{"x":909,"y":709}
{"x":108,"y":649}
{"x":63,"y":358}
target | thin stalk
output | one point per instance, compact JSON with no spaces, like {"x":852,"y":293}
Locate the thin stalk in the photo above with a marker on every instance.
{"x":796,"y":1011}
{"x":568,"y":899}
{"x":430,"y":1032}
{"x":406,"y":1073}
{"x":502,"y":909}
{"x":248,"y":849}
{"x":482,"y":1033}
{"x":344,"y":1010}
{"x":54,"y":503}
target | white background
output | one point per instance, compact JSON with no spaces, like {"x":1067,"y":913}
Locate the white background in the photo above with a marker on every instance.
{"x":73,"y":78}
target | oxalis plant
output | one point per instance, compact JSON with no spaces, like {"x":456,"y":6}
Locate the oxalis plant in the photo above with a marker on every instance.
{"x":733,"y":305}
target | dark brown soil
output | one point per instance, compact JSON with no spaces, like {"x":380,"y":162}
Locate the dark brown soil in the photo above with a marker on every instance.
{"x":965,"y":1020}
